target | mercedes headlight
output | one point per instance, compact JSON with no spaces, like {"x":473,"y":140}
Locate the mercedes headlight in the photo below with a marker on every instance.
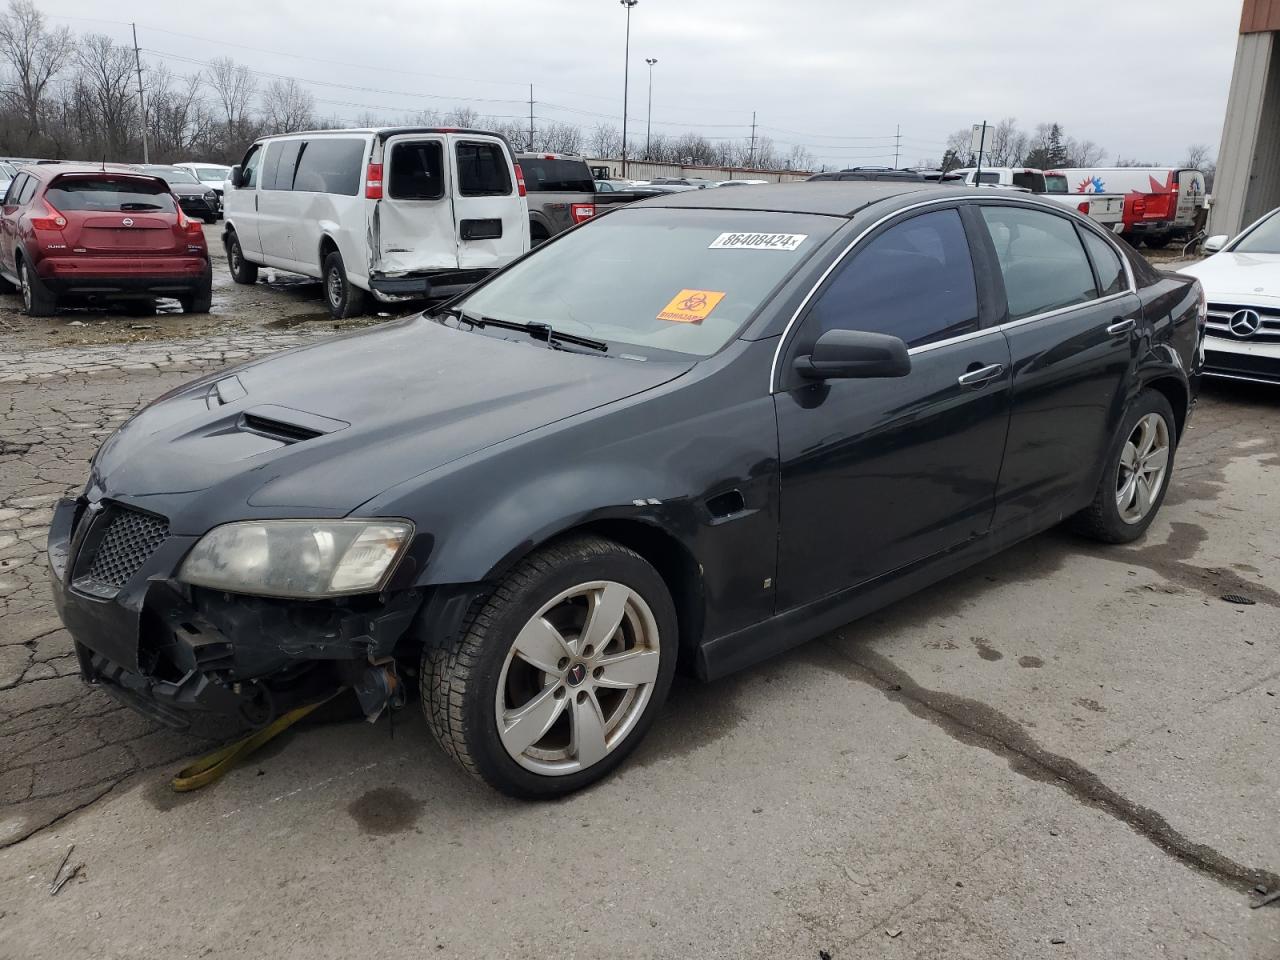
{"x":297,"y":558}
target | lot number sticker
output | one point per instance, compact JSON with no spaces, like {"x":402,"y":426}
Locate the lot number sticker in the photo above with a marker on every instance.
{"x":758,"y":241}
{"x":691,"y":306}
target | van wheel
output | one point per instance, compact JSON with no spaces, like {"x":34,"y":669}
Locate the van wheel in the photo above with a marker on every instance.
{"x":242,"y":271}
{"x":344,"y":300}
{"x":1136,"y":474}
{"x":37,"y":300}
{"x":559,"y":673}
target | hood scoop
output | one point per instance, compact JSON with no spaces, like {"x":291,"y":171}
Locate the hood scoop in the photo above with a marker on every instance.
{"x":285,"y":425}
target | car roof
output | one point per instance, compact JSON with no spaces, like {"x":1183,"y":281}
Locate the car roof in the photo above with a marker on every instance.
{"x":836,"y":198}
{"x":47,"y":171}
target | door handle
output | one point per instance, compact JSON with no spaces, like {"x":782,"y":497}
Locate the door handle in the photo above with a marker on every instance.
{"x":976,"y":378}
{"x":1122,"y":326}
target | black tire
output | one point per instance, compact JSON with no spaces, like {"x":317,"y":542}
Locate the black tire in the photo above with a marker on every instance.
{"x":537,"y":234}
{"x":202,"y":300}
{"x":1101,"y":520}
{"x":37,"y":299}
{"x":459,"y":678}
{"x":210,"y":218}
{"x":1156,"y":241}
{"x":342,"y":299}
{"x":242,"y":271}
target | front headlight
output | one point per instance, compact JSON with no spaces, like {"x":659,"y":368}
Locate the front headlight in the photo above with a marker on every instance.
{"x":297,"y":558}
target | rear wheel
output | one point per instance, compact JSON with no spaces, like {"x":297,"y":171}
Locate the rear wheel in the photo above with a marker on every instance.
{"x":201,"y":300}
{"x":1136,"y":474}
{"x":37,"y":300}
{"x":559,"y":674}
{"x":538,"y":233}
{"x":242,"y":271}
{"x":343,"y":299}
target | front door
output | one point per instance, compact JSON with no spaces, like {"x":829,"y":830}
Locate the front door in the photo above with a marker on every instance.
{"x":1073,"y":325}
{"x":879,"y":474}
{"x":9,"y":224}
{"x":277,"y":205}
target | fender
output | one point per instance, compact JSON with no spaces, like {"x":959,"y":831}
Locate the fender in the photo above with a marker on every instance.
{"x":538,"y":217}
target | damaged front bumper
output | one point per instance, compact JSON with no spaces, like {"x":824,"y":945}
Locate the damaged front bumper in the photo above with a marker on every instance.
{"x":171,"y":651}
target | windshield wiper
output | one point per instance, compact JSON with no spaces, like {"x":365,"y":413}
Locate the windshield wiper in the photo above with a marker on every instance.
{"x":538,"y":331}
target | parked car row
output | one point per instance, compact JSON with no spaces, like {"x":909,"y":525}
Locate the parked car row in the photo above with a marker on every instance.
{"x":514,"y":496}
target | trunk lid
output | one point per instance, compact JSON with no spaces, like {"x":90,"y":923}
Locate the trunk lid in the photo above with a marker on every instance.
{"x":116,"y":213}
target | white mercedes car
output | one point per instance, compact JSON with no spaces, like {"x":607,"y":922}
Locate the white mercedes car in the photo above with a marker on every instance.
{"x":1242,"y":283}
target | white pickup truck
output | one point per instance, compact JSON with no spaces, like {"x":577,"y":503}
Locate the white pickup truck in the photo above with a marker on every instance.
{"x":1106,"y":209}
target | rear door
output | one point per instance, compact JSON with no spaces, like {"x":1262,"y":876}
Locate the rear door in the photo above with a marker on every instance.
{"x":1074,"y":325}
{"x":490,"y":215}
{"x":413,"y":224}
{"x":1190,"y":187}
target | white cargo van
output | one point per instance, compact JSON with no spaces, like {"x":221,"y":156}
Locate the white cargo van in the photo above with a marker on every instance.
{"x":397,"y":212}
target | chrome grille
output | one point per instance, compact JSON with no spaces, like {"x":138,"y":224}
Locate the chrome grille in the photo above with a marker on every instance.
{"x":130,"y":538}
{"x":1219,"y":324}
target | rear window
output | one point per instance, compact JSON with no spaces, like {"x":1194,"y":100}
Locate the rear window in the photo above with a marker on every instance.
{"x":330,"y":165}
{"x":1032,"y":181}
{"x":113,"y":195}
{"x":482,"y":170}
{"x":560,"y":176}
{"x":988,"y":178}
{"x":417,"y":171}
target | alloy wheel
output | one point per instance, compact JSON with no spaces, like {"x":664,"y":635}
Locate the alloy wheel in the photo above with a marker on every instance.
{"x":24,"y":280}
{"x":577,"y":678}
{"x":1144,"y":464}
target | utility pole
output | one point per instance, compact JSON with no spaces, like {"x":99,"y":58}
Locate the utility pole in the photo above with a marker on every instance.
{"x":626,"y":81}
{"x":751,"y":153}
{"x":982,"y":145}
{"x":648,"y":124}
{"x":531,"y":118}
{"x":897,"y":143}
{"x":142,"y":107}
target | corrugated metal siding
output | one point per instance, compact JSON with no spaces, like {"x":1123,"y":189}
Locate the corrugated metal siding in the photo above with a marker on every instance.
{"x":1241,"y":131}
{"x":1264,"y":177}
{"x":1260,"y":16}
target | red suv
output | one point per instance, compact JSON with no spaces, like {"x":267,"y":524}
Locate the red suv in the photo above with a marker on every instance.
{"x":71,"y":232}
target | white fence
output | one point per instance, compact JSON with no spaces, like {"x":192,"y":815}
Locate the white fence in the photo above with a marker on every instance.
{"x":643,"y":170}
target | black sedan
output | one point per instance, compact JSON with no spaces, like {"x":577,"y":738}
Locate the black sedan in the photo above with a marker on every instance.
{"x":814,"y":399}
{"x":197,"y":199}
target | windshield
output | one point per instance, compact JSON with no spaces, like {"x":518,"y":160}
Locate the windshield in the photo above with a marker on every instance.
{"x":113,"y":194}
{"x":173,"y":174}
{"x":1264,"y":238}
{"x":213,"y":174}
{"x":676,"y":280}
{"x":1055,"y":183}
{"x":9,"y":169}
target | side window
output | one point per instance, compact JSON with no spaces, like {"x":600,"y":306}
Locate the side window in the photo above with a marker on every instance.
{"x":282,"y":160}
{"x":251,"y":166}
{"x":1106,"y":264}
{"x":417,"y":171}
{"x":482,"y":170}
{"x":1041,"y":260}
{"x":330,"y":165}
{"x":15,"y":189}
{"x":914,"y":281}
{"x":28,"y":191}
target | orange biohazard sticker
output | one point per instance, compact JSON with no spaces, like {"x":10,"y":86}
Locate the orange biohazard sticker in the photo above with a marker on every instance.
{"x":691,"y":306}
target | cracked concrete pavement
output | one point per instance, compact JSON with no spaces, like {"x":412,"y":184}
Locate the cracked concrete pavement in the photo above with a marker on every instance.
{"x":1067,"y":751}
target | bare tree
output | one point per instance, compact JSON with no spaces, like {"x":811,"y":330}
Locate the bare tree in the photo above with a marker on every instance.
{"x":1082,"y":153}
{"x":1198,"y":156}
{"x":234,"y":87}
{"x":287,"y":107}
{"x":461,"y":117}
{"x":105,"y":75}
{"x":35,"y":55}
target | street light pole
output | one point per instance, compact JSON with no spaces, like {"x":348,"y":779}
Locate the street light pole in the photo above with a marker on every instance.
{"x":648,"y":124}
{"x":626,"y":80}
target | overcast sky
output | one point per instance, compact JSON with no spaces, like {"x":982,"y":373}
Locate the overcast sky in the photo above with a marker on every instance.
{"x":1142,"y":78}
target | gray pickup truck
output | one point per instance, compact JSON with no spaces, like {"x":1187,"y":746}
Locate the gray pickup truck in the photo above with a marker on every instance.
{"x":562,"y":193}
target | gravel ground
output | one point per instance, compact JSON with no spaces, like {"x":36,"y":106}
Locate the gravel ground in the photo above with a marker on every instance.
{"x":1068,"y":751}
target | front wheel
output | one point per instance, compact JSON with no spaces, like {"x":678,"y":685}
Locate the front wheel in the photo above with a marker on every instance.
{"x":1136,"y":474}
{"x":559,"y":674}
{"x":242,"y":271}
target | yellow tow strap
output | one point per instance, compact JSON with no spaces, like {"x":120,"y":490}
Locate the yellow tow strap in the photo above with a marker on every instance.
{"x":212,"y":766}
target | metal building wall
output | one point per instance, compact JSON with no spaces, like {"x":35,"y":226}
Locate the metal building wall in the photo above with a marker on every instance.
{"x":1248,"y":178}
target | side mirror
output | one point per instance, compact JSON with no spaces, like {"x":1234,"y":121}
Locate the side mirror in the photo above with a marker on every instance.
{"x":1215,"y":243}
{"x":849,"y":354}
{"x":237,"y":177}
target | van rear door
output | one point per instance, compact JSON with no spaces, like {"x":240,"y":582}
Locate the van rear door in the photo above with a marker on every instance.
{"x":492,"y":218}
{"x":412,"y":228}
{"x":1190,"y":196}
